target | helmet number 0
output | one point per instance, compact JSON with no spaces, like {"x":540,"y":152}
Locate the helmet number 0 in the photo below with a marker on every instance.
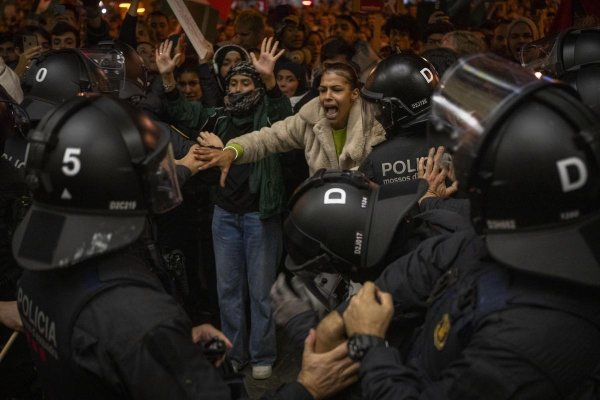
{"x":41,"y":74}
{"x":71,"y":162}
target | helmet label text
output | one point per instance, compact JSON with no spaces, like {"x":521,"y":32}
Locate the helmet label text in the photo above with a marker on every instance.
{"x":358,"y":240}
{"x":122,"y":205}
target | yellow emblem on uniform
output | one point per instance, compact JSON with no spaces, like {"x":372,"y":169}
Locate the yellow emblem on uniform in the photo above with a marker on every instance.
{"x":440,"y":334}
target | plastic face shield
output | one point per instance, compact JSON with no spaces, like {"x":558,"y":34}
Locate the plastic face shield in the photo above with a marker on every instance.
{"x":377,"y":108}
{"x":160,"y":172}
{"x":543,"y":56}
{"x":469,"y":99}
{"x":15,"y":116}
{"x":111,"y":63}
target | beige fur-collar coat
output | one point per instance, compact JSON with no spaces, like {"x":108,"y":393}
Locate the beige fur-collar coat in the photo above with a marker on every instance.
{"x":310,"y":130}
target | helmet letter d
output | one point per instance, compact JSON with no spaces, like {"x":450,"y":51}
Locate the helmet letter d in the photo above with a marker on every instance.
{"x":334,"y":196}
{"x":578,"y":176}
{"x":427,"y":74}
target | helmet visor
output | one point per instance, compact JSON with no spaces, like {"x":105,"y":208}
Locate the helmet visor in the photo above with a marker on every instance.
{"x":542,"y":55}
{"x":469,"y":98}
{"x":111,"y":63}
{"x":164,"y":187}
{"x":14,"y":118}
{"x":388,"y":111}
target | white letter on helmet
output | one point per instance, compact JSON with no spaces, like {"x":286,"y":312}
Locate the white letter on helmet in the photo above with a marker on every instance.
{"x":427,"y":74}
{"x":336,"y":200}
{"x":563,"y":173}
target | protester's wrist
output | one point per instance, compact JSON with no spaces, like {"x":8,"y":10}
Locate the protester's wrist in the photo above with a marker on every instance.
{"x":169,"y":83}
{"x":235,"y":148}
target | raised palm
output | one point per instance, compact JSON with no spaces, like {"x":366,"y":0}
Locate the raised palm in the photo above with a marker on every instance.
{"x":265,"y":63}
{"x":164,"y":62}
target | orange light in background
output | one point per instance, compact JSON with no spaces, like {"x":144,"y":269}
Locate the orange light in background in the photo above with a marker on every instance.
{"x":306,"y":2}
{"x":140,"y":10}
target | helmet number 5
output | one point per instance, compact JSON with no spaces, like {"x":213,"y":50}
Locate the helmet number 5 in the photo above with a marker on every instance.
{"x":71,"y":162}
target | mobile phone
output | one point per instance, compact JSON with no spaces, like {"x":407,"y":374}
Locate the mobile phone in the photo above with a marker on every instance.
{"x":29,"y":41}
{"x":175,"y":40}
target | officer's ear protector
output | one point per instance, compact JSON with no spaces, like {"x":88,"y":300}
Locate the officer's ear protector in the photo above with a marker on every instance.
{"x":564,"y":105}
{"x":45,"y":136}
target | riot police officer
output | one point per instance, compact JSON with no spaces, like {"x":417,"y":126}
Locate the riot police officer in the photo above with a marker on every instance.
{"x":98,"y":322}
{"x":17,"y":374}
{"x":397,"y":94}
{"x":573,"y":56}
{"x":526,"y":150}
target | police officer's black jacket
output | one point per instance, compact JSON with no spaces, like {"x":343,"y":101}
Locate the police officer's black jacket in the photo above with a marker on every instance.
{"x":396,"y":159}
{"x":17,"y":372}
{"x":105,"y":329}
{"x":489,"y":333}
{"x":434,"y":244}
{"x":12,"y":192}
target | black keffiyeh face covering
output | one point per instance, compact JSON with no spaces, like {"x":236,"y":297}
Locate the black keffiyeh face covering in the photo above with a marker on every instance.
{"x":239,"y":104}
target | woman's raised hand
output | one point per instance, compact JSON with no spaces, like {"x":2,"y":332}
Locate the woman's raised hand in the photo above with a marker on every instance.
{"x":164,"y":62}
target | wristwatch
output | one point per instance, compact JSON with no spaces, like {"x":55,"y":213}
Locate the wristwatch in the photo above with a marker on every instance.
{"x":358,"y":345}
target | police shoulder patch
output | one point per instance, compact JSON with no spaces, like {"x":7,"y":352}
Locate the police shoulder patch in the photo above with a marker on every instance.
{"x":441,"y":331}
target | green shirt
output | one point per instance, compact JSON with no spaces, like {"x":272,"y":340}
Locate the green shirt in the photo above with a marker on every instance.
{"x":339,"y":139}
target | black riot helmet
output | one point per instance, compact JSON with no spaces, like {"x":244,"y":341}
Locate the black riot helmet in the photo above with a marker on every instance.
{"x":398,"y":91}
{"x":55,"y":76}
{"x":339,"y":217}
{"x":340,"y":229}
{"x":14,"y":120}
{"x":134,"y":83}
{"x":527,"y":152}
{"x":573,"y":56}
{"x":97,"y":167}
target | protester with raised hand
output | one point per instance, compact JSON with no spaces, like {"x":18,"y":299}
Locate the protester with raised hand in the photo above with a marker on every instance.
{"x":246,"y":224}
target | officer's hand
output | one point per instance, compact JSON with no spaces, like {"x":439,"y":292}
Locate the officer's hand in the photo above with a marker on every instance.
{"x":369,"y":312}
{"x":327,"y":373}
{"x":287,"y":303}
{"x":435,"y":168}
{"x":190,"y":161}
{"x":207,"y":332}
{"x":330,"y":332}
{"x":216,"y":158}
{"x":9,"y":315}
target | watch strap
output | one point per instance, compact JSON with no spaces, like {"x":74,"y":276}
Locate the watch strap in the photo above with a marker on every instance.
{"x":358,"y":345}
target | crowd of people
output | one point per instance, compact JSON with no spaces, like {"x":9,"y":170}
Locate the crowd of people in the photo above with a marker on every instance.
{"x":411,"y":196}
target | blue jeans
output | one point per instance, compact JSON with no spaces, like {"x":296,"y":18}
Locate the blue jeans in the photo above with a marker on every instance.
{"x":247,"y":253}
